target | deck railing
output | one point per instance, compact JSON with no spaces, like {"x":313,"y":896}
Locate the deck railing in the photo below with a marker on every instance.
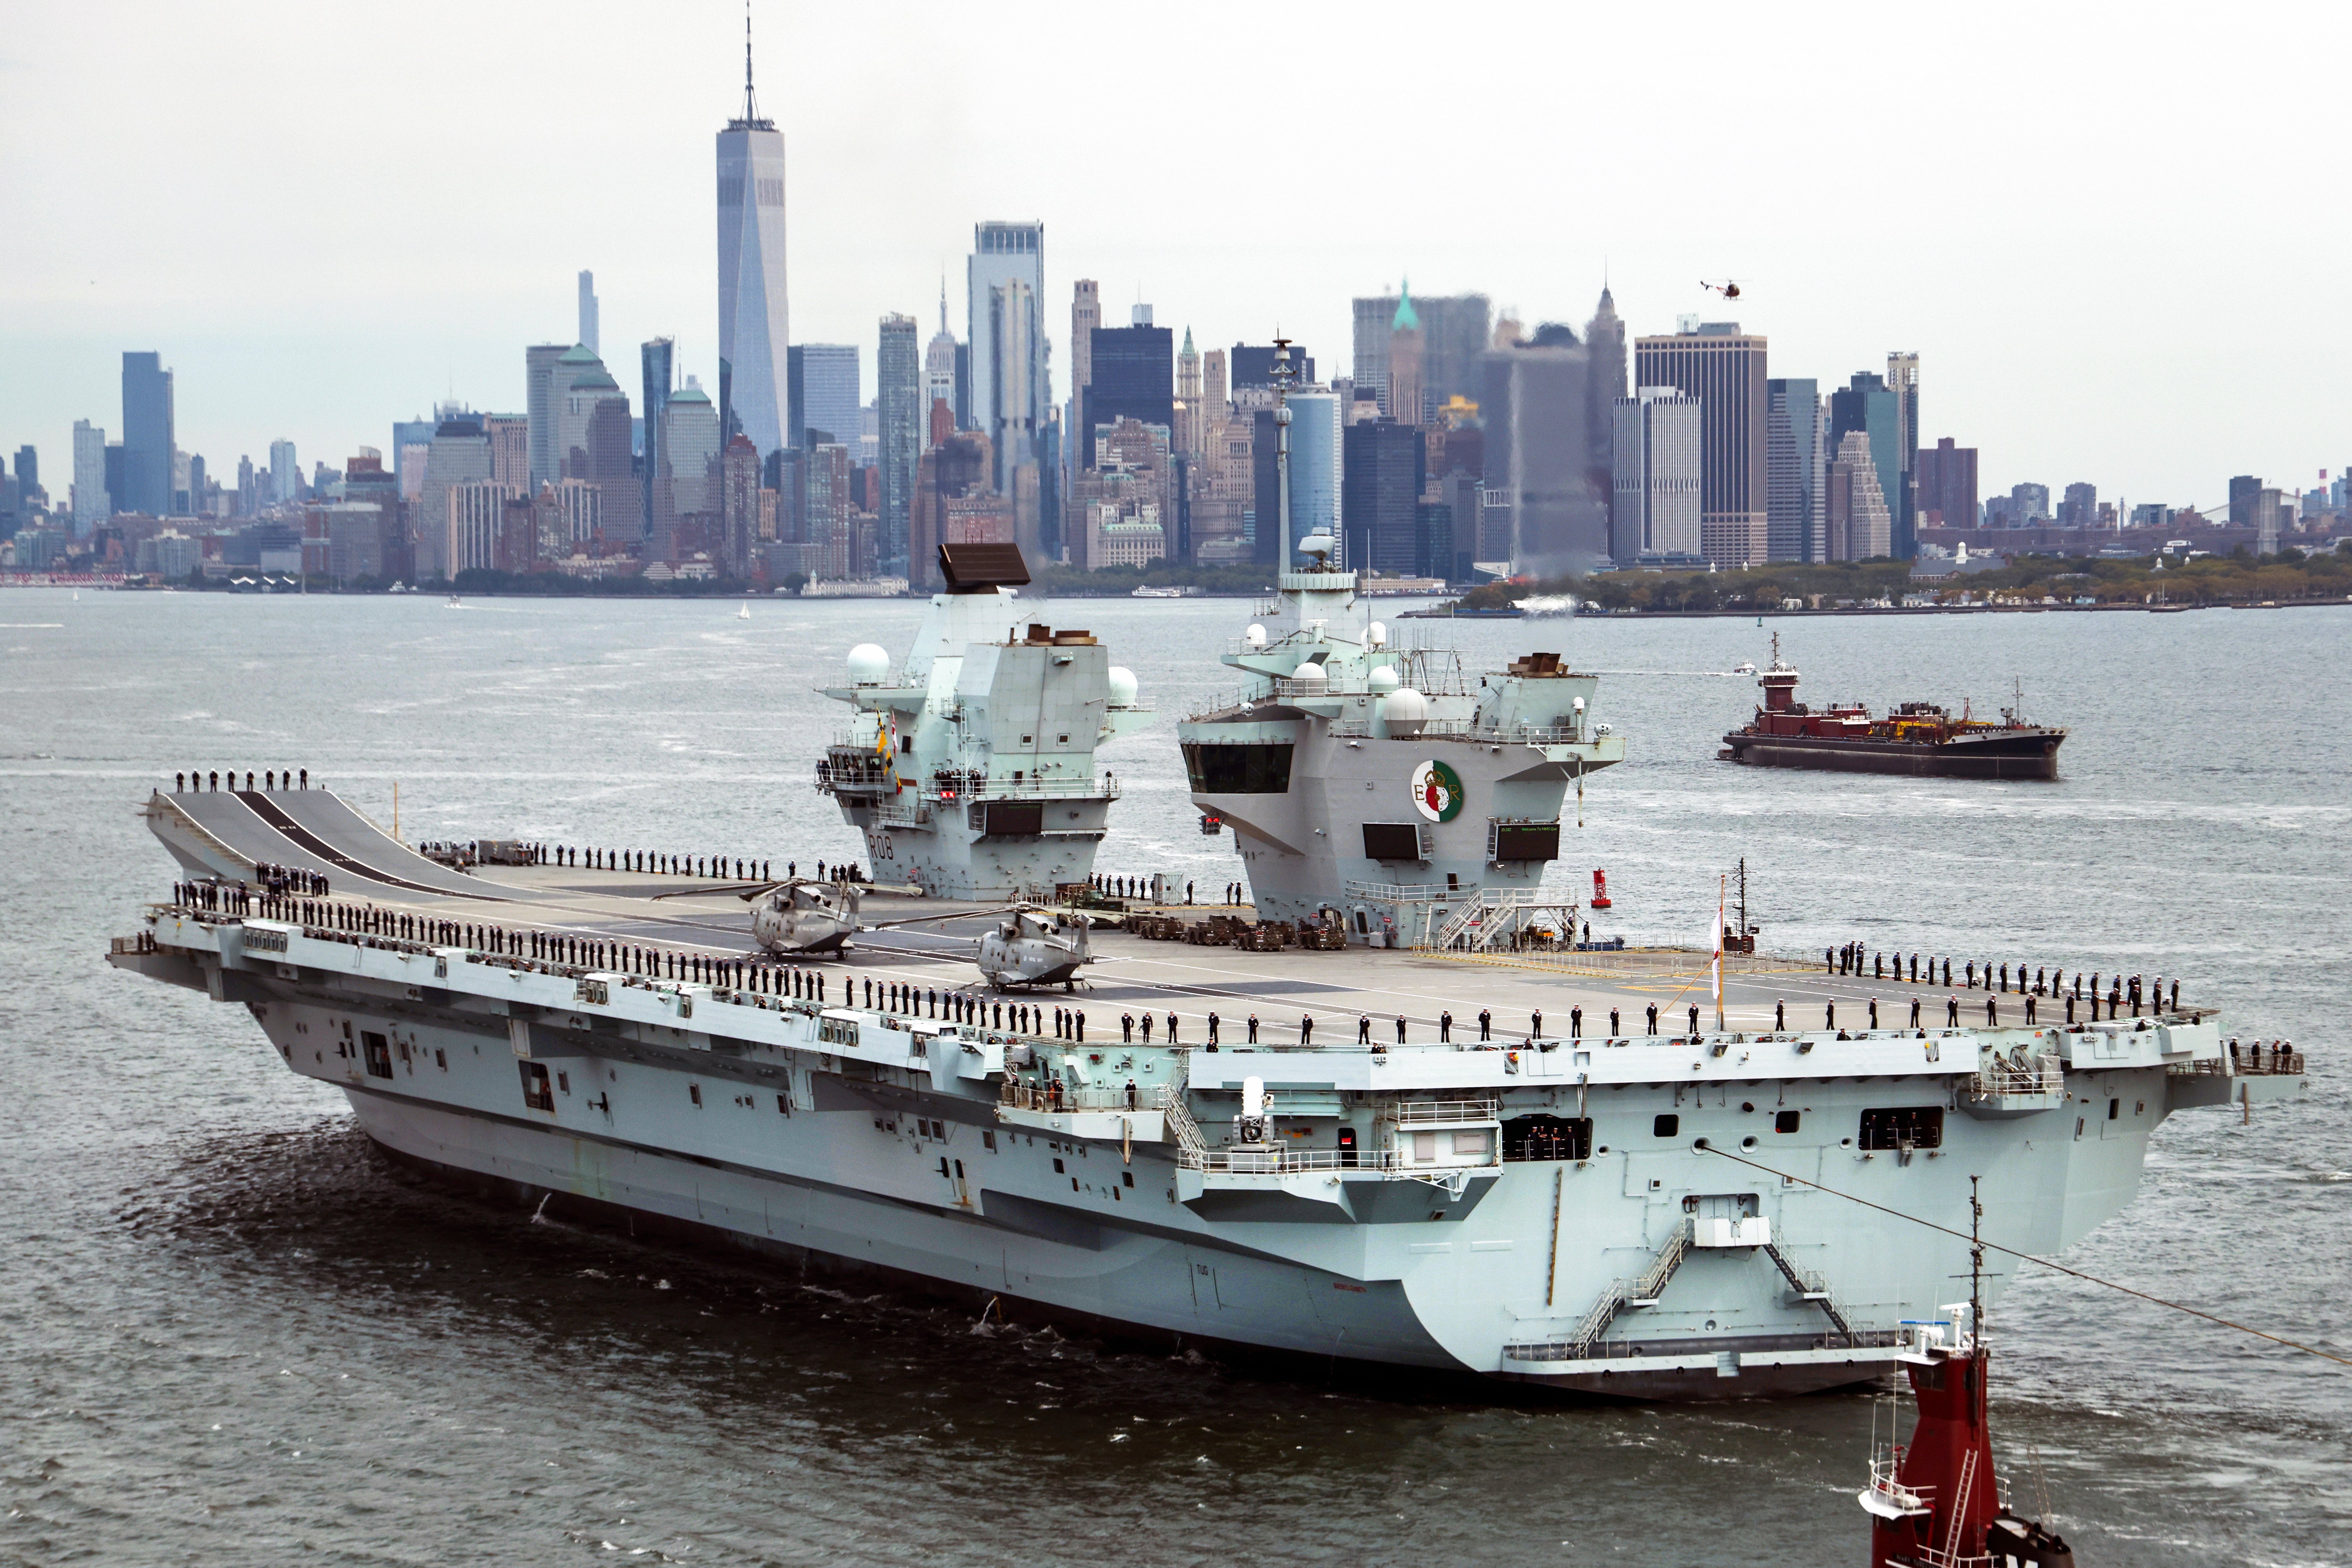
{"x":1412,"y":1112}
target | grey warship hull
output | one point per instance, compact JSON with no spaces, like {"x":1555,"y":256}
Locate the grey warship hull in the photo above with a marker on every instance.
{"x":1554,"y":1213}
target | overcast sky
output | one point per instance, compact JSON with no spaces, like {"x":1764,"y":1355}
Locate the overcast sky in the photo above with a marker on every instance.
{"x":2115,"y":236}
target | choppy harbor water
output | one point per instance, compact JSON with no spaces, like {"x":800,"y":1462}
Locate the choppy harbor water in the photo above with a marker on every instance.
{"x":228,"y":1332}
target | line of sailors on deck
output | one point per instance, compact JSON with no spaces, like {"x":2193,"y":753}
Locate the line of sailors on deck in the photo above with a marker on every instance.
{"x":2135,"y":990}
{"x":271,"y":779}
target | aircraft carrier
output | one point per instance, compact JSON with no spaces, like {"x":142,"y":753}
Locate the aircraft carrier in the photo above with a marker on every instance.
{"x":1570,"y":1195}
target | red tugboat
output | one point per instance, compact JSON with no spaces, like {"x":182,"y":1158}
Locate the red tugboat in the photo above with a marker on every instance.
{"x":1936,"y":1502}
{"x":1917,"y":738}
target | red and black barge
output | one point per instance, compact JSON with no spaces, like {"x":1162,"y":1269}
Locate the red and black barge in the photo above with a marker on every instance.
{"x":1917,"y":738}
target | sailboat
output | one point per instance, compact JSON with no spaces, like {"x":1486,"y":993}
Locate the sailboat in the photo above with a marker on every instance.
{"x":742,"y":612}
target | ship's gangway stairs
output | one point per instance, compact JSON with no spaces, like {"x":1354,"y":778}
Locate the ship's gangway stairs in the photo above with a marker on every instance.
{"x":1620,"y":1296}
{"x":1492,"y":919}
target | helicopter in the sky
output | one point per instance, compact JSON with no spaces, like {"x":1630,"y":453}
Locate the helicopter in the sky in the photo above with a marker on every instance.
{"x":804,"y":915}
{"x":1034,"y":947}
{"x":1728,"y":288}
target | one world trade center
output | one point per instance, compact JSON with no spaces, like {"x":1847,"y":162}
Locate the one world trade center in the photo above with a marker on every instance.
{"x":752,"y":327}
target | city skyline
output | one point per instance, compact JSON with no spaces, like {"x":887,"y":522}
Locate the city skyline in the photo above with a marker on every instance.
{"x":245,"y":311}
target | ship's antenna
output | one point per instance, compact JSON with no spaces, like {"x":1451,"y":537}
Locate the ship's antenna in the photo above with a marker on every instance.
{"x":1976,"y":1263}
{"x":750,"y":107}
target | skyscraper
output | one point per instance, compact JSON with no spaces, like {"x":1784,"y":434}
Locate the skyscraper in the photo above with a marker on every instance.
{"x":1317,"y":471}
{"x":285,"y":473}
{"x":1190,"y":416}
{"x":1868,"y":405}
{"x":1946,"y":480}
{"x":940,"y":359}
{"x":588,"y":333}
{"x":1551,"y":506}
{"x":541,"y":401}
{"x":2245,"y":491}
{"x":593,"y":436}
{"x":747,"y":512}
{"x":1086,"y":315}
{"x":147,"y":437}
{"x":1795,"y":454}
{"x":1454,"y":333}
{"x":509,"y":437}
{"x":1604,"y":346}
{"x":691,"y":445}
{"x":1133,"y":377}
{"x":90,"y":506}
{"x":1724,"y":369}
{"x":1383,"y":466}
{"x":1657,"y":450}
{"x":1903,"y":380}
{"x":1404,"y":400}
{"x":900,"y":401}
{"x":657,"y":372}
{"x":459,"y":456}
{"x":752,"y":327}
{"x":1005,"y":281}
{"x":826,"y":404}
{"x":2080,"y":508}
{"x":1857,"y":520}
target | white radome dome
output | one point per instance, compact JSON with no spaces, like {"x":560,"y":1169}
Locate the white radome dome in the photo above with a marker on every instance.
{"x":1315,"y":674}
{"x":1123,"y":687}
{"x":1405,"y":709}
{"x":1254,"y":637}
{"x":869,"y":663}
{"x":1376,"y":635}
{"x":1383,"y":678}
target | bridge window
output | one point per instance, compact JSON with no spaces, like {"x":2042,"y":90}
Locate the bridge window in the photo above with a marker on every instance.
{"x":1238,"y":768}
{"x":1903,"y":1127}
{"x":1547,"y":1138}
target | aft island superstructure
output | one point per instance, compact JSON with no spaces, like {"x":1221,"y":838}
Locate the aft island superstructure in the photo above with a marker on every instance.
{"x":1373,"y":782}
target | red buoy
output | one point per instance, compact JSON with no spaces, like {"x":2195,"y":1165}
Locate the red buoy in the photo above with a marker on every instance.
{"x":1599,"y":888}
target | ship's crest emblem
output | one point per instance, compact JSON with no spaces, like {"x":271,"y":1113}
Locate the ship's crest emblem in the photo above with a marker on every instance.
{"x":1437,"y":792}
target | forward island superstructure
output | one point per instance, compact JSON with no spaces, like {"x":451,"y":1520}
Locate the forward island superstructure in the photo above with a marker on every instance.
{"x":970,"y":772}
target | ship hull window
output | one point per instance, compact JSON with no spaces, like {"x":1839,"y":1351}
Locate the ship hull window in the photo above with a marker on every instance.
{"x":1238,"y":769}
{"x":537,"y":1092}
{"x":1903,"y":1127}
{"x":378,"y":1051}
{"x":1547,"y":1138}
